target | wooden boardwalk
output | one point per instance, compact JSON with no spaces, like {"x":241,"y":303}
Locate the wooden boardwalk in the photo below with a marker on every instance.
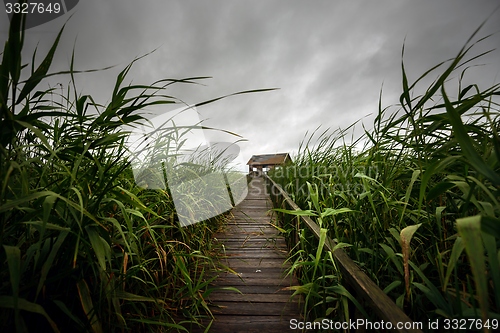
{"x":257,"y":253}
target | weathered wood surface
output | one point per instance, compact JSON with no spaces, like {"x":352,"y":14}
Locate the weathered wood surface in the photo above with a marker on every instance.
{"x":255,"y":251}
{"x":364,"y":287}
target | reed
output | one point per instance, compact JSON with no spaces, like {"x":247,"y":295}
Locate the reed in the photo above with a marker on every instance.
{"x":85,"y":249}
{"x":415,"y":197}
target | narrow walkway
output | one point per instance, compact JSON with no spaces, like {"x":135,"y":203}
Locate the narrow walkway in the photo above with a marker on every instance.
{"x":256,"y":252}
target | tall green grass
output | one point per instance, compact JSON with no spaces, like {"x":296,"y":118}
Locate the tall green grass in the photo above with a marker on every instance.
{"x":416,"y":198}
{"x":84,"y":248}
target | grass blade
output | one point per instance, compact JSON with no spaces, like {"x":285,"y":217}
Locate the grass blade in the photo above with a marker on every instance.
{"x":469,"y":229}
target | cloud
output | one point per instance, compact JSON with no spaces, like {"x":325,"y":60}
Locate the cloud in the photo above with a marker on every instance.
{"x":329,"y":59}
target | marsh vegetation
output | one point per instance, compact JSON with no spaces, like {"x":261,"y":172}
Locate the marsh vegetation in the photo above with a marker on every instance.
{"x":414,"y":201}
{"x":84,"y":248}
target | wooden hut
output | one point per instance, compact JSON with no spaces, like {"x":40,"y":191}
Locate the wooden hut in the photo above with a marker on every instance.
{"x":263,"y":163}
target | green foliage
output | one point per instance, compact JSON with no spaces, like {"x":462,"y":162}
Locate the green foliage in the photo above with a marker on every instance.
{"x":83,"y":248}
{"x":417,"y":190}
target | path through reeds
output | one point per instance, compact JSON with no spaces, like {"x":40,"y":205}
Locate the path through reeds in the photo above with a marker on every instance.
{"x":255,"y":252}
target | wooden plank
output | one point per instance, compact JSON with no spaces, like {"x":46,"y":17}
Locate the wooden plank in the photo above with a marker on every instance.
{"x":249,"y":269}
{"x":259,"y":252}
{"x":250,"y":234}
{"x":252,"y":215}
{"x":248,"y":290}
{"x":252,"y":262}
{"x":256,"y":236}
{"x":250,"y":229}
{"x":246,"y":297}
{"x":246,"y":319}
{"x":247,"y":221}
{"x":255,"y":274}
{"x":235,"y":228}
{"x":245,"y":257}
{"x":245,"y":242}
{"x":251,"y":243}
{"x":256,"y":243}
{"x":253,"y":204}
{"x":250,"y":279}
{"x":241,"y":216}
{"x":255,"y":248}
{"x":249,"y":324}
{"x":262,"y":308}
{"x":254,"y":254}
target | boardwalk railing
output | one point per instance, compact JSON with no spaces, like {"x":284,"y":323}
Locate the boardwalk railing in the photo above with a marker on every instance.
{"x":364,"y":288}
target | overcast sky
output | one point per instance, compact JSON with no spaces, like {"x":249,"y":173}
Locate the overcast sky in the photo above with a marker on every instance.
{"x":329,"y":59}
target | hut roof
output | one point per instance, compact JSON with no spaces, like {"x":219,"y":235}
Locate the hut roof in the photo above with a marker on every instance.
{"x":269,"y":159}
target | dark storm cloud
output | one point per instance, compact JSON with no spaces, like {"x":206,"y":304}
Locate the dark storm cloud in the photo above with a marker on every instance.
{"x":329,"y":58}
